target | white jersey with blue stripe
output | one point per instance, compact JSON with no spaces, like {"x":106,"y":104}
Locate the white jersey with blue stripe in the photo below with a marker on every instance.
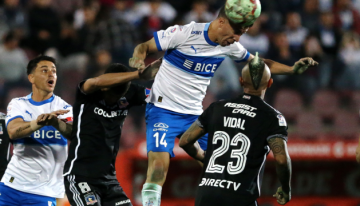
{"x":37,"y":163}
{"x":191,"y":59}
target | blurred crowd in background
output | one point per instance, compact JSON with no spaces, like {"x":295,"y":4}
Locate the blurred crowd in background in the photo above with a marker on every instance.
{"x":85,"y":36}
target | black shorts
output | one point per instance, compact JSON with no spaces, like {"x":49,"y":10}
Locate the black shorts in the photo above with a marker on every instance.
{"x":83,"y":191}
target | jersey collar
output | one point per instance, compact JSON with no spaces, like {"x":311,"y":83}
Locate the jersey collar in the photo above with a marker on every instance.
{"x":207,"y":36}
{"x":39,"y":103}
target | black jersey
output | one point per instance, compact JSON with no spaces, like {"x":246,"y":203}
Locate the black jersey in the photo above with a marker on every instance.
{"x":4,"y":145}
{"x":237,"y":148}
{"x":96,"y":132}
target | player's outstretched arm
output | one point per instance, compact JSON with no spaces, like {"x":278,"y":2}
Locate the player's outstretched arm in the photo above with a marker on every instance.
{"x":140,"y":53}
{"x":298,"y":68}
{"x":283,"y":169}
{"x":18,"y":128}
{"x":358,"y":152}
{"x":188,"y":142}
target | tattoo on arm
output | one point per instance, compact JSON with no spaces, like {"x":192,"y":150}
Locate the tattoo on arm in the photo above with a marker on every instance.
{"x":20,"y":129}
{"x":277,"y":146}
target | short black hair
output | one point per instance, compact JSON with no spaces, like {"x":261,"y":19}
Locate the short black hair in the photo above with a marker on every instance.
{"x":119,"y":68}
{"x":33,"y":63}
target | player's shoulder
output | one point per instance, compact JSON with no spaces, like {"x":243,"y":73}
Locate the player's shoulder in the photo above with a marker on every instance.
{"x":20,"y":100}
{"x":270,"y":110}
{"x":60,"y":102}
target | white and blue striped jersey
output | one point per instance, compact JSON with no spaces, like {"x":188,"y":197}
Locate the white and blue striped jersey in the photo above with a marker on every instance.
{"x":37,"y":163}
{"x":191,"y":59}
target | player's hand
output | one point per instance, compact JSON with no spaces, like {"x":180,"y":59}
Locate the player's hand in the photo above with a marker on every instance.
{"x":150,"y":71}
{"x":281,"y":196}
{"x":303,"y":64}
{"x":46,"y":119}
{"x":136,"y":62}
{"x":60,"y":112}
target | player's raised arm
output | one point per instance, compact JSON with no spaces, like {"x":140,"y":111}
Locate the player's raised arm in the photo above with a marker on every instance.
{"x":298,"y":68}
{"x":113,"y":79}
{"x":283,"y":168}
{"x":188,"y":142}
{"x":140,"y":53}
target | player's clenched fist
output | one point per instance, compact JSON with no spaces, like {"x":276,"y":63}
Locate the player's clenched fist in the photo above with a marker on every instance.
{"x":137,"y":63}
{"x":302,"y":65}
{"x":281,"y":196}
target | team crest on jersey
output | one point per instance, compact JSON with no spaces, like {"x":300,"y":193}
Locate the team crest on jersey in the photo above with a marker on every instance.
{"x":1,"y":129}
{"x":90,"y":199}
{"x":282,"y":121}
{"x":246,"y":97}
{"x":123,"y":103}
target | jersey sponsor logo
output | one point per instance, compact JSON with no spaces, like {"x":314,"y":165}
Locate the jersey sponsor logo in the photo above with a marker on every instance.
{"x":46,"y":135}
{"x":123,"y":202}
{"x":231,"y":122}
{"x":282,"y":121}
{"x":67,"y":106}
{"x":161,"y":127}
{"x":196,"y":32}
{"x":199,"y":65}
{"x":226,"y":184}
{"x":27,"y":112}
{"x":90,"y":199}
{"x":242,"y":109}
{"x":103,"y":113}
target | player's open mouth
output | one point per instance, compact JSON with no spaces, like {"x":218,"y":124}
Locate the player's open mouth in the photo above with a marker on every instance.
{"x":51,"y":83}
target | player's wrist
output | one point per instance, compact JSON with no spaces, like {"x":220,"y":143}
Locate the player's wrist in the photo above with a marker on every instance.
{"x":34,"y":125}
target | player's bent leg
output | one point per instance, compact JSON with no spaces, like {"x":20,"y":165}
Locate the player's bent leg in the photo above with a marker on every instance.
{"x":80,"y":193}
{"x":158,"y":165}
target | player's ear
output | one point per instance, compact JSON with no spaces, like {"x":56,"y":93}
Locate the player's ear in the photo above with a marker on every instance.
{"x":31,"y":78}
{"x":271,"y":81}
{"x":241,"y":81}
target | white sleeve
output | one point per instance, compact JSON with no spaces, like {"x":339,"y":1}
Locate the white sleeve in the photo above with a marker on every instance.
{"x":239,"y":53}
{"x":13,"y":111}
{"x":68,"y":116}
{"x":172,"y":36}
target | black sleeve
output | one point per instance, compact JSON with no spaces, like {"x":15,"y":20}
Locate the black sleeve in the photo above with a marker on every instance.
{"x":278,"y":127}
{"x":204,"y":119}
{"x":81,"y":96}
{"x":136,"y":95}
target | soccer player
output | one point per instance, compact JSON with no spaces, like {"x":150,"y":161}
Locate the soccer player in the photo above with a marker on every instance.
{"x":4,"y":145}
{"x":193,"y":54}
{"x":37,"y":125}
{"x":241,"y":133}
{"x":100,"y":108}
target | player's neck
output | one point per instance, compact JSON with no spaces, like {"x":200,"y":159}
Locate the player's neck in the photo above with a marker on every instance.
{"x":40,"y":95}
{"x":211,"y":32}
{"x":260,"y":94}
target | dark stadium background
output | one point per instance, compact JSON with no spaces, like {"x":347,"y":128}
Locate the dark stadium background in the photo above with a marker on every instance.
{"x":321,"y":105}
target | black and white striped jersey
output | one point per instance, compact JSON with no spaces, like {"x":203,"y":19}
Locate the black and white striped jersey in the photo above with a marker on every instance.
{"x":4,"y":145}
{"x":96,"y":132}
{"x":237,"y":148}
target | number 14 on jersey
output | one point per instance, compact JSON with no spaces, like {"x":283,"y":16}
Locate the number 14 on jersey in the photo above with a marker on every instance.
{"x":162,"y":140}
